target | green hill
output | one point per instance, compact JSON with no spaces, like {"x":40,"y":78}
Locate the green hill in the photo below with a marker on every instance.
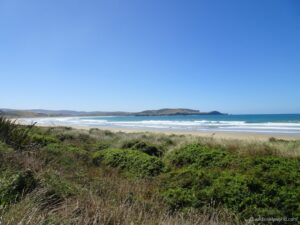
{"x":59,"y":113}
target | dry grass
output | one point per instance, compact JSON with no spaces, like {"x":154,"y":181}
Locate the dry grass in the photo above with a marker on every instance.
{"x":114,"y":204}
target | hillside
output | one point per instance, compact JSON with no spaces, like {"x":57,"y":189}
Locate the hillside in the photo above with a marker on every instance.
{"x":170,"y":112}
{"x":56,"y":113}
{"x":61,"y":113}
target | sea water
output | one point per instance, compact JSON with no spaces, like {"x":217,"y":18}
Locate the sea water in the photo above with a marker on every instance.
{"x":271,"y":123}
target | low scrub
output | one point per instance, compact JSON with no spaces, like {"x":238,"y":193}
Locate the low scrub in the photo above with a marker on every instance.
{"x":13,"y":186}
{"x":143,"y":146}
{"x":57,"y":186}
{"x":43,"y":139}
{"x":266,"y":186}
{"x":61,"y":149}
{"x":64,"y":156}
{"x":200,"y":156}
{"x":134,"y":162}
{"x":15,"y":135}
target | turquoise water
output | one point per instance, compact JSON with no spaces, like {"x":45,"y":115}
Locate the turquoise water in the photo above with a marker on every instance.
{"x":275,"y":123}
{"x":263,"y":118}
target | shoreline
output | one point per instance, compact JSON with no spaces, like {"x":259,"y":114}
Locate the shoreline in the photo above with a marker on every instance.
{"x":248,"y":136}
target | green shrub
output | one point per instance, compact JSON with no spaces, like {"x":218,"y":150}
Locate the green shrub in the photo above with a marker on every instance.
{"x":103,"y":144}
{"x":66,"y":155}
{"x":178,"y":198}
{"x":43,"y":140}
{"x":266,"y":186}
{"x":200,"y":156}
{"x":167,"y":140}
{"x":58,"y":186}
{"x":228,"y":189}
{"x":14,"y":135}
{"x":134,"y":162}
{"x":273,"y":139}
{"x":58,"y":149}
{"x":65,"y":136}
{"x":108,"y":133}
{"x":4,"y":148}
{"x":76,"y":150}
{"x":277,"y":183}
{"x":187,"y":177}
{"x":273,"y":171}
{"x":101,"y":133}
{"x":142,"y":146}
{"x":13,"y":186}
{"x":180,"y":185}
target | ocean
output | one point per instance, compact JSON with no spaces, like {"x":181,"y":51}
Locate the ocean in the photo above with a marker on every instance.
{"x":271,"y":123}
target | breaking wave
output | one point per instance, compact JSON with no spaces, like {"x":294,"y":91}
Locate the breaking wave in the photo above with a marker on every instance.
{"x":192,"y":125}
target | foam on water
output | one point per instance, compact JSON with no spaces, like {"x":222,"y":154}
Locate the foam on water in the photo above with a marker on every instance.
{"x":169,"y":123}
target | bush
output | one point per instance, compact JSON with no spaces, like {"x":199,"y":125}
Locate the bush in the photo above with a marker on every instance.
{"x":12,"y":187}
{"x":266,"y":186}
{"x":4,"y":148}
{"x":133,"y":162}
{"x":272,"y":139}
{"x":61,"y":148}
{"x":58,"y":186}
{"x":200,"y":156}
{"x":13,"y":134}
{"x":277,"y":183}
{"x":228,"y":189}
{"x":64,"y":136}
{"x":101,"y":145}
{"x":142,"y":146}
{"x":188,"y":178}
{"x":64,"y":156}
{"x":178,"y":198}
{"x":43,"y":140}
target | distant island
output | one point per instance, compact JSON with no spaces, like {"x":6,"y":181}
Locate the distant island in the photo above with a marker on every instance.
{"x":65,"y":113}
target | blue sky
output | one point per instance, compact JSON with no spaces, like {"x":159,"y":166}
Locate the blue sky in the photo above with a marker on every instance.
{"x":233,"y":56}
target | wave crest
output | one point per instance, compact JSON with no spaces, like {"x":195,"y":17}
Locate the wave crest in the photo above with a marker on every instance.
{"x":193,"y":125}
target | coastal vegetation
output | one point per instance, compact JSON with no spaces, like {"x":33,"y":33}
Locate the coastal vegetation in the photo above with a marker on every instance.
{"x":60,"y":175}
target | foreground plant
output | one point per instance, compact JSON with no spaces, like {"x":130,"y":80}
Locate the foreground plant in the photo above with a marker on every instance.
{"x":13,"y":134}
